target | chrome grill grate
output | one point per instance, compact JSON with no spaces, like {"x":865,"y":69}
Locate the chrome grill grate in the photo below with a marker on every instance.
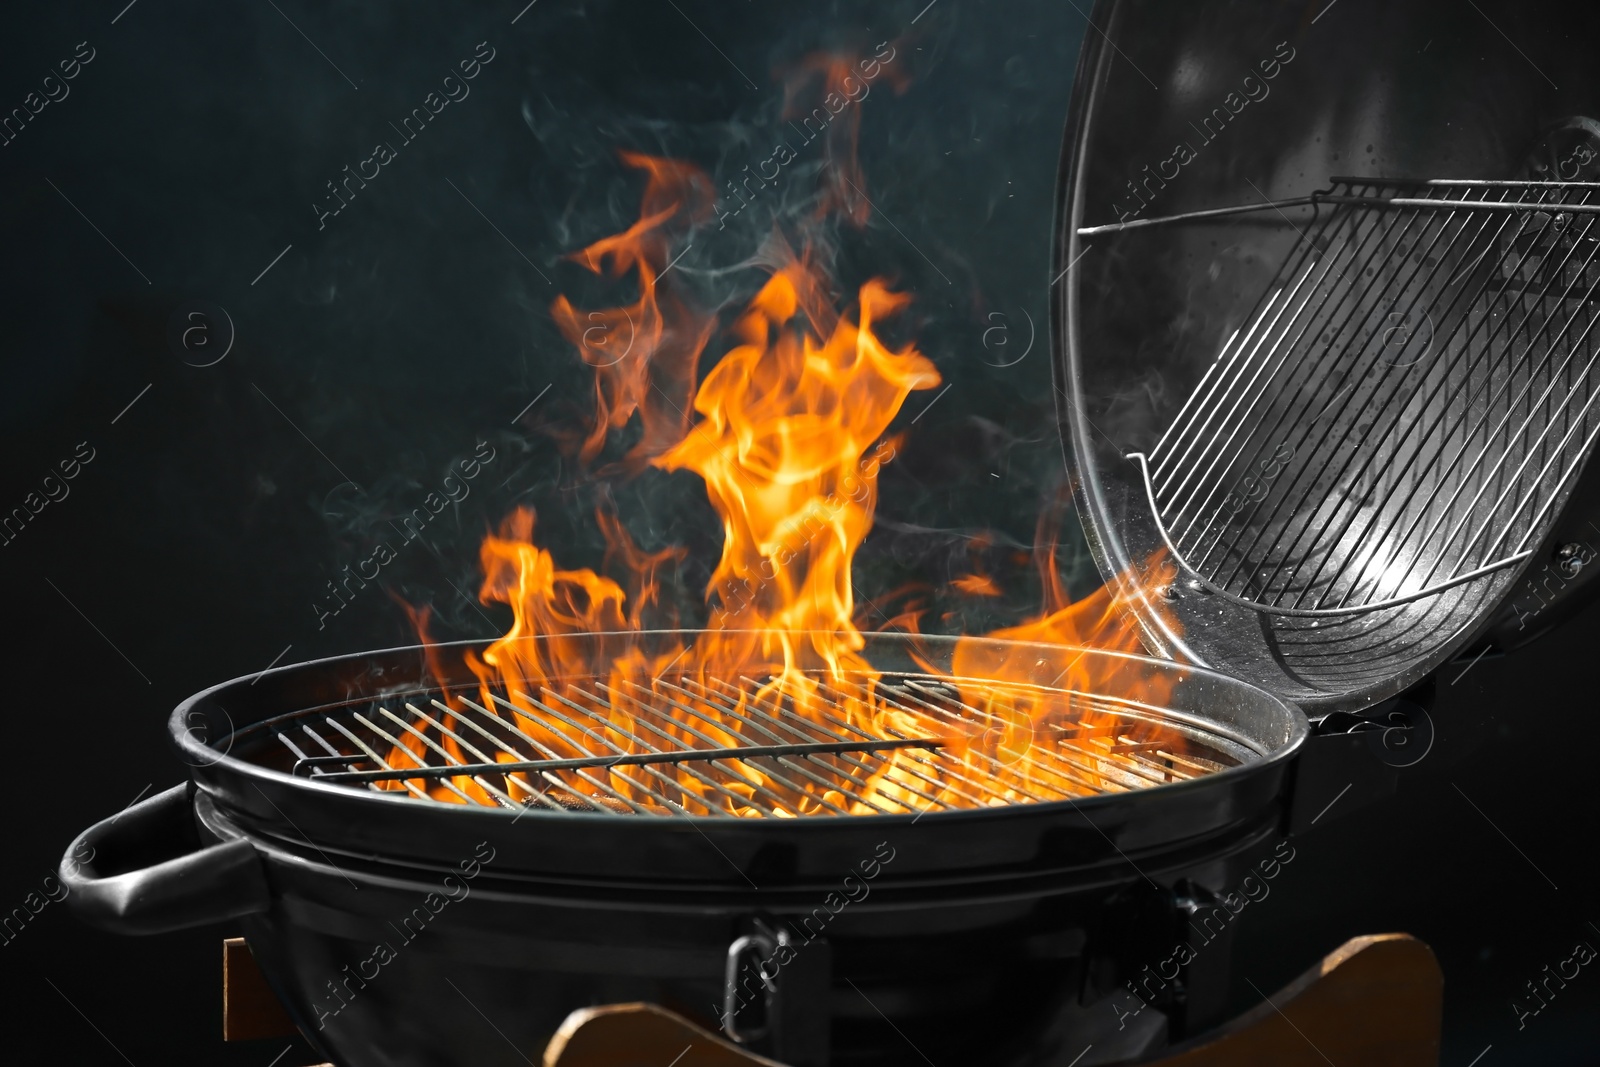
{"x":686,"y":746}
{"x":1403,"y":409}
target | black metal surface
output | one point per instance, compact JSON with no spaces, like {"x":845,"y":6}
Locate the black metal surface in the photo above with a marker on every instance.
{"x":1143,"y":309}
{"x":930,"y":960}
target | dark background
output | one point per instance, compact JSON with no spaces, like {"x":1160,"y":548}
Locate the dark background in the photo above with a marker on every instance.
{"x":378,"y":351}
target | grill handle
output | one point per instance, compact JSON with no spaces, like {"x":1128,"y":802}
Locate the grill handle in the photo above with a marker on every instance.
{"x":146,"y":871}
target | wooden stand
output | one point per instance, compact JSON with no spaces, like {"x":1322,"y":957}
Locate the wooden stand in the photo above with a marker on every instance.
{"x":249,"y":1007}
{"x":1377,"y":1002}
{"x":621,"y":1035}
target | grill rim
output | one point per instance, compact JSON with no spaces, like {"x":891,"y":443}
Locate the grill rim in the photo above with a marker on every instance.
{"x":210,"y":764}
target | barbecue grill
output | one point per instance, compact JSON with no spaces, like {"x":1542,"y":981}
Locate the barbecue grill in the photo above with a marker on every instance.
{"x":1323,"y":429}
{"x":662,"y":871}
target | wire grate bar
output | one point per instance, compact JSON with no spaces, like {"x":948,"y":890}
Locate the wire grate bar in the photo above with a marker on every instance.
{"x":1389,"y":410}
{"x":980,"y":794}
{"x":1433,"y":500}
{"x":865,"y":785}
{"x":839,"y":762}
{"x":1052,"y":761}
{"x":361,"y":745}
{"x":996,"y":765}
{"x":648,"y":769}
{"x":775,"y":800}
{"x":626,"y":759}
{"x":586,"y":799}
{"x":772,"y":737}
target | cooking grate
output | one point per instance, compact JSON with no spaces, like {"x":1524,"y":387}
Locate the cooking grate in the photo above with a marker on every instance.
{"x":686,"y":746}
{"x":1404,"y":407}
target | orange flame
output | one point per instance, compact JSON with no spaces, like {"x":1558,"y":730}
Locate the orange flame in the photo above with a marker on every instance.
{"x":790,"y":440}
{"x":845,"y":83}
{"x":787,"y":420}
{"x":975,"y":585}
{"x":644,"y":354}
{"x":1058,"y":713}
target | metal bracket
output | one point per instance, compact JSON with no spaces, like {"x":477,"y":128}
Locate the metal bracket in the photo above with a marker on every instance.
{"x":767,"y":945}
{"x":794,"y":979}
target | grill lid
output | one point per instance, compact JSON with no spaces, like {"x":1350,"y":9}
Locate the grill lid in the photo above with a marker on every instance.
{"x":1343,"y":421}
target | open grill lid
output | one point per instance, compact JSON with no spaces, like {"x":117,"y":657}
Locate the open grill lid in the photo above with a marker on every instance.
{"x":1329,"y":422}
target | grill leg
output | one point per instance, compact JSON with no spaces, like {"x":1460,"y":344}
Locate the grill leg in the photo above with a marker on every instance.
{"x":250,"y":1009}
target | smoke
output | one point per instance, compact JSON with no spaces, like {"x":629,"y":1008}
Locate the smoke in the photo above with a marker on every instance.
{"x":935,"y":171}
